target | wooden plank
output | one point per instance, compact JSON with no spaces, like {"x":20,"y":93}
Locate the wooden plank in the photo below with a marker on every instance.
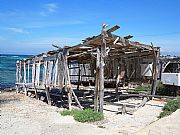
{"x":114,"y":28}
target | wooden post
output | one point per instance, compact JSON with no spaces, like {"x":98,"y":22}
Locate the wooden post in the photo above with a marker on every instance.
{"x":79,"y":76}
{"x":60,"y":71}
{"x":155,"y":70}
{"x":38,"y":73}
{"x":101,"y":68}
{"x":17,"y":77}
{"x":20,"y":71}
{"x":68,"y":86}
{"x":34,"y":78}
{"x":25,"y":85}
{"x":96,"y":91}
{"x":55,"y":72}
{"x":46,"y":82}
{"x":28,"y":72}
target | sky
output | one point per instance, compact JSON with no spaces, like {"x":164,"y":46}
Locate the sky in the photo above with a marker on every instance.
{"x":32,"y":26}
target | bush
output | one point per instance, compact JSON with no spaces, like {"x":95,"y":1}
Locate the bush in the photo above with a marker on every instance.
{"x":68,"y":112}
{"x":87,"y":115}
{"x":161,"y":89}
{"x":170,"y":107}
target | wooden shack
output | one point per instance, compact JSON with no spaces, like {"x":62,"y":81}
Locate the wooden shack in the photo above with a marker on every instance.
{"x":105,"y":60}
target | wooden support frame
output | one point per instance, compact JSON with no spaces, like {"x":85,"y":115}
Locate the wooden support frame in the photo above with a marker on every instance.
{"x":56,"y":70}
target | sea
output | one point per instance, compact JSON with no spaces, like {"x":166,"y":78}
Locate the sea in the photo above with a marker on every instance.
{"x":8,"y":69}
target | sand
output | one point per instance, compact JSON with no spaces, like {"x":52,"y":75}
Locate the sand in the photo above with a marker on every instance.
{"x":24,"y":115}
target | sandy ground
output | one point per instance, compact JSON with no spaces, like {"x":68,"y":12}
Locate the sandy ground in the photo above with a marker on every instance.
{"x":166,"y":126}
{"x":23,"y":115}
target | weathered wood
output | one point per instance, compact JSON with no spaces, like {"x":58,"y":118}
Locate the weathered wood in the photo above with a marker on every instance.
{"x":25,"y":87}
{"x":79,"y":76}
{"x":77,"y":101}
{"x":17,"y":76}
{"x":155,"y":70}
{"x":34,"y":78}
{"x":146,"y":95}
{"x":28,"y":80}
{"x":48,"y":95}
{"x":101,"y":68}
{"x":55,"y":72}
{"x":46,"y":82}
{"x":96,"y":91}
{"x":117,"y":81}
{"x":68,"y":86}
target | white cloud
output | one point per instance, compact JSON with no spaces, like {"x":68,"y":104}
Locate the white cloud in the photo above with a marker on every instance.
{"x":49,"y":8}
{"x":166,"y":50}
{"x":17,"y":30}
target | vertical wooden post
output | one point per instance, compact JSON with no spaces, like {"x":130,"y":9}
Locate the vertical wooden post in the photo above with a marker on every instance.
{"x":101,"y":70}
{"x":55,"y":70}
{"x":117,"y":81}
{"x":46,"y":82}
{"x":28,"y":72}
{"x":25,"y":85}
{"x":34,"y":82}
{"x":67,"y":78}
{"x":17,"y":77}
{"x":96,"y":91}
{"x":79,"y":76}
{"x":60,"y":71}
{"x":156,"y":54}
{"x":20,"y":72}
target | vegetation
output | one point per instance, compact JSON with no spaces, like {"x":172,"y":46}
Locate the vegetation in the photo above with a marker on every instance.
{"x":170,"y":107}
{"x":87,"y":115}
{"x":161,"y":89}
{"x":141,"y":88}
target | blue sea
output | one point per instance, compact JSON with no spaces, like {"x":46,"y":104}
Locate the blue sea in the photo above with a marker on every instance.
{"x":8,"y":69}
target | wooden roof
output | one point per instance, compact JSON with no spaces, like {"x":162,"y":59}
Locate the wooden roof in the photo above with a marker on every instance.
{"x":117,"y":46}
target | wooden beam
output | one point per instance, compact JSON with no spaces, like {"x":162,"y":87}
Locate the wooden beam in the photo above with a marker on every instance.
{"x":114,"y":28}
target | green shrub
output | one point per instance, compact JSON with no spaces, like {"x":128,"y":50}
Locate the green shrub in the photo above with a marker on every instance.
{"x":161,"y":89}
{"x":141,"y":88}
{"x":170,"y":107}
{"x":68,"y":112}
{"x":87,"y":115}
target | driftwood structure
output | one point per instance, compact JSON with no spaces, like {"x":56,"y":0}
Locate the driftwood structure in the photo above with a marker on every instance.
{"x":100,"y":61}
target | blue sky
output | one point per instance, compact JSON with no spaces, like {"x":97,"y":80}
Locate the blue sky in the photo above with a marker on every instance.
{"x":31,"y":26}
